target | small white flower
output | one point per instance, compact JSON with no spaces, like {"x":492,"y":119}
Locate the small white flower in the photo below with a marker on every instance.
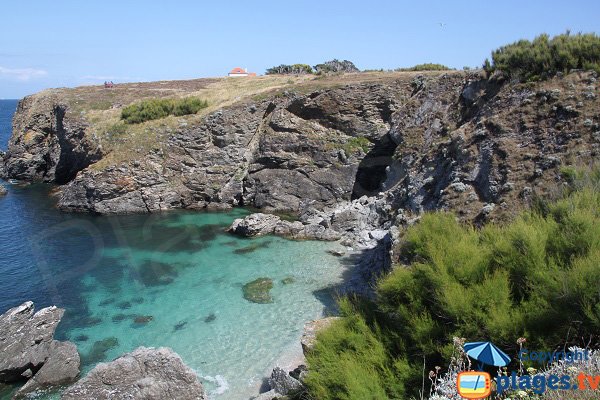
{"x":522,"y":393}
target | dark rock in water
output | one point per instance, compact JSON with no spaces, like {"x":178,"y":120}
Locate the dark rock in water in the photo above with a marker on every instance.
{"x":252,"y":247}
{"x":210,"y":232}
{"x":288,"y":279}
{"x":107,"y":302}
{"x":231,"y":243}
{"x":179,"y":326}
{"x":99,"y":350}
{"x":3,"y":191}
{"x":82,"y":338}
{"x":125,"y":305}
{"x":140,"y":375}
{"x":138,"y":300}
{"x":337,"y":253}
{"x":210,"y":318}
{"x":143,"y":319}
{"x":120,"y":317}
{"x":258,"y":291}
{"x":28,"y":350}
{"x":156,"y":273}
{"x":91,"y":321}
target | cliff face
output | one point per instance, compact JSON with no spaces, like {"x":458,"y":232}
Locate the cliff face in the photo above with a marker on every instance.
{"x":431,"y":141}
{"x":49,"y":143}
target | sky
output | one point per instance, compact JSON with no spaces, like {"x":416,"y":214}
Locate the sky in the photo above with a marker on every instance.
{"x":60,"y":43}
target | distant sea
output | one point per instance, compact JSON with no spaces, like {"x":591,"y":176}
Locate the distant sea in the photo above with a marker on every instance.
{"x":173,"y":279}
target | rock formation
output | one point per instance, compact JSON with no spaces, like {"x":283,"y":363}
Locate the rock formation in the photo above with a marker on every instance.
{"x":144,"y":374}
{"x":3,"y":191}
{"x":29,"y":352}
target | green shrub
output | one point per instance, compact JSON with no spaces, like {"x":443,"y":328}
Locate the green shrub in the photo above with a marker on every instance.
{"x":355,"y":144}
{"x":296,"y":69}
{"x":536,"y":277}
{"x":426,"y":67}
{"x":544,"y":57}
{"x":148,"y":110}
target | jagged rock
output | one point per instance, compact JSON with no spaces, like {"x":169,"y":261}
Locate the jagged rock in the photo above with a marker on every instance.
{"x":29,"y":350}
{"x":3,"y":191}
{"x":283,"y":383}
{"x":49,"y":143}
{"x":270,"y":395}
{"x":311,"y":329}
{"x":255,"y":225}
{"x":61,"y":368}
{"x":145,"y":373}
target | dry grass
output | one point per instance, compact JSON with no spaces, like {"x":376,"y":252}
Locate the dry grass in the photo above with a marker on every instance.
{"x":101,"y":107}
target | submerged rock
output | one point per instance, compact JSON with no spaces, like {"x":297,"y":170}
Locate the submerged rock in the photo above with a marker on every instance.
{"x":145,"y":373}
{"x":210,"y":318}
{"x":99,"y":350}
{"x":251,"y":248}
{"x":3,"y":191}
{"x":142,"y":319}
{"x":288,"y":280}
{"x":29,"y":350}
{"x":179,"y":326}
{"x":258,"y":291}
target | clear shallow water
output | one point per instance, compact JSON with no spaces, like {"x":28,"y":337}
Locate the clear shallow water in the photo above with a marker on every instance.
{"x":170,"y":279}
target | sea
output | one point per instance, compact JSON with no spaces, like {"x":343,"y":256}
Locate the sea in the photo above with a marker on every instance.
{"x":172,"y":279}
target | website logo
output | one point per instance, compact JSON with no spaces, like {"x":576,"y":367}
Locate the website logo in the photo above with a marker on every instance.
{"x":474,"y":385}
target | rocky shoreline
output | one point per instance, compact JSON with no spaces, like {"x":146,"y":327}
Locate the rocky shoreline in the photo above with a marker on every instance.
{"x":353,"y":163}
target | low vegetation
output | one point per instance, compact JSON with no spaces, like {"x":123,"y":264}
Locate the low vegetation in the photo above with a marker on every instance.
{"x":536,"y":277}
{"x":148,"y":110}
{"x":544,"y":57}
{"x":295,"y":69}
{"x":333,"y":66}
{"x":426,"y":67}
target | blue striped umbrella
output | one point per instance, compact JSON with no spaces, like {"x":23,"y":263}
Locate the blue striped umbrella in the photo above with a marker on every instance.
{"x":487,"y":353}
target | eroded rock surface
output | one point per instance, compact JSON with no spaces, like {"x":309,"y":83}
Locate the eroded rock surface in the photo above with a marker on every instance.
{"x":29,"y":351}
{"x":144,"y":374}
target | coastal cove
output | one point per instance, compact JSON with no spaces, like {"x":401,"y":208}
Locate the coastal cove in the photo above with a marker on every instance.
{"x":169,"y":279}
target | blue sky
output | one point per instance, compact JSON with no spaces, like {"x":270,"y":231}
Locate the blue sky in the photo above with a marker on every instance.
{"x":69,"y":43}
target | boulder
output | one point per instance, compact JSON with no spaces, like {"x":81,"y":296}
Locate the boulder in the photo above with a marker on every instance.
{"x":29,"y":350}
{"x":283,"y":383}
{"x":311,"y":329}
{"x":60,"y":369}
{"x":3,"y":190}
{"x":258,"y":291}
{"x":255,"y":225}
{"x":145,"y":373}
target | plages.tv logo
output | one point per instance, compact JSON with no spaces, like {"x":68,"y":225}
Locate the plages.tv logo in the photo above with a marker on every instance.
{"x":478,"y":384}
{"x":474,"y":385}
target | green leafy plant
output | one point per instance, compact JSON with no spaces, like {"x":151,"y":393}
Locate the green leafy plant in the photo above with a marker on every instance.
{"x":426,"y":67}
{"x":544,"y":57}
{"x":536,"y":277}
{"x":152,"y":109}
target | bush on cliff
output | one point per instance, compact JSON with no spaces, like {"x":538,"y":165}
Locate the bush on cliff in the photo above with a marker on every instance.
{"x":295,"y":69}
{"x":544,"y":57}
{"x":148,"y":110}
{"x":426,"y":67}
{"x":536,"y":277}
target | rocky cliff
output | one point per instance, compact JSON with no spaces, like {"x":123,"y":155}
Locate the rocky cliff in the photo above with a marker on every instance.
{"x":423,"y":141}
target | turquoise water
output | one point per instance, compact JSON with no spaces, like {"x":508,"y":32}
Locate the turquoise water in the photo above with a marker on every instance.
{"x":172,"y":279}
